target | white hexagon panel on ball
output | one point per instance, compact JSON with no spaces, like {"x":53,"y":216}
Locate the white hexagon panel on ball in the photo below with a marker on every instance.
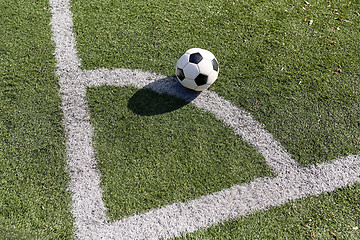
{"x":197,"y":69}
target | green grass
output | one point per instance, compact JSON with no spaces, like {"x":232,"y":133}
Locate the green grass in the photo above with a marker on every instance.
{"x":148,"y":159}
{"x":34,"y":202}
{"x":317,"y":217}
{"x":301,"y":81}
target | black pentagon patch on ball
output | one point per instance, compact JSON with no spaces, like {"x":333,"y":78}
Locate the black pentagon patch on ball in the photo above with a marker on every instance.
{"x":195,"y":58}
{"x":201,"y":79}
{"x":215,"y":64}
{"x":180,"y":74}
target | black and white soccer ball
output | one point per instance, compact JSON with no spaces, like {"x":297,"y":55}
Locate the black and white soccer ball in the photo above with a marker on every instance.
{"x":197,"y":69}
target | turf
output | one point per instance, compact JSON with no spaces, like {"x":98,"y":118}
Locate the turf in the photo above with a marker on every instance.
{"x":155,"y":149}
{"x":299,"y":79}
{"x":334,"y":215}
{"x":34,"y":202}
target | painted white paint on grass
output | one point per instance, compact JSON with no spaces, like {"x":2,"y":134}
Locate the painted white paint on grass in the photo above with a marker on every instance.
{"x":88,"y":208}
{"x":174,"y":219}
{"x":63,"y":36}
{"x":238,"y":119}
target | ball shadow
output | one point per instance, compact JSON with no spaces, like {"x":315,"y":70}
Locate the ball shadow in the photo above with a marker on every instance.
{"x":162,"y":96}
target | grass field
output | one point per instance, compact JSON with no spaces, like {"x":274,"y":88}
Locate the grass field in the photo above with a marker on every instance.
{"x":276,"y":66}
{"x":293,"y":65}
{"x":169,"y":157}
{"x":34,"y":203}
{"x":301,"y":81}
{"x":328,"y":216}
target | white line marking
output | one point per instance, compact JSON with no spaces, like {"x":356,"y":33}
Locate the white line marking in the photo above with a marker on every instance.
{"x":239,"y":120}
{"x":88,"y":208}
{"x":174,"y":219}
{"x":63,"y":36}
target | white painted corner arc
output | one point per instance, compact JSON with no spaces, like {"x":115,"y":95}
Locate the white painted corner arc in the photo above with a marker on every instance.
{"x":88,"y":208}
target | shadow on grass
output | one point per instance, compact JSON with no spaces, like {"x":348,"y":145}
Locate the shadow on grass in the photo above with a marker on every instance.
{"x":162,"y":96}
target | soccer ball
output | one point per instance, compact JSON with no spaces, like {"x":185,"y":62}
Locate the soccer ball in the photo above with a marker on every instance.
{"x":197,"y":69}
